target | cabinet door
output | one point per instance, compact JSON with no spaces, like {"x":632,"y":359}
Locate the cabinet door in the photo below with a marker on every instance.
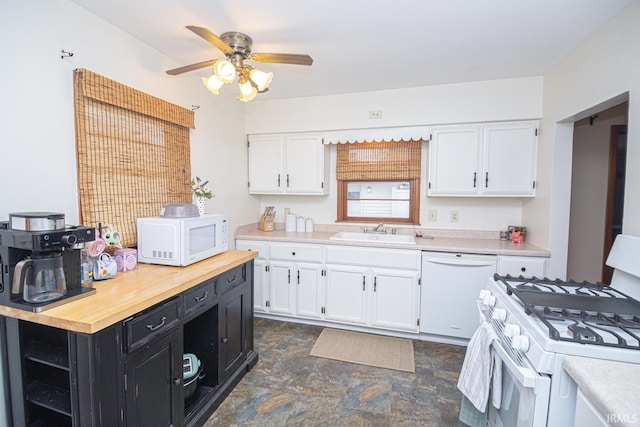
{"x":266,"y":157}
{"x":308,"y":290}
{"x":154,"y":388}
{"x":454,"y":155}
{"x":282,"y":291}
{"x":509,"y":159}
{"x":234,"y":328}
{"x":304,"y":164}
{"x":346,"y":290}
{"x":260,"y":273}
{"x":260,"y":285}
{"x":395,"y":299}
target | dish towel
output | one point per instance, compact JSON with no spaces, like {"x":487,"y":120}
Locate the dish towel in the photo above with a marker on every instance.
{"x":477,"y":374}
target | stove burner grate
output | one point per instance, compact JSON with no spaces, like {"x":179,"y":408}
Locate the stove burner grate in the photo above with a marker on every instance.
{"x":589,"y":313}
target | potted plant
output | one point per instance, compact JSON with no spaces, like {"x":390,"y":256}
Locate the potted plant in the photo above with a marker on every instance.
{"x":201,"y":193}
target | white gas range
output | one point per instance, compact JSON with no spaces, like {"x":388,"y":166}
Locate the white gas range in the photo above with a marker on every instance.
{"x":540,"y":321}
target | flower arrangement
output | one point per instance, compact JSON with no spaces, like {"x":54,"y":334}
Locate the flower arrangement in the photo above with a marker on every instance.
{"x":199,"y":188}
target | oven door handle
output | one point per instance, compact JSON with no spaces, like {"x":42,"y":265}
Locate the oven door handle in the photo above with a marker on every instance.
{"x":526,"y":377}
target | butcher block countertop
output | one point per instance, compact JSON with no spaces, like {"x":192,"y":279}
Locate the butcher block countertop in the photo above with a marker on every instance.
{"x":471,"y":242}
{"x":611,"y":387}
{"x":129,"y":293}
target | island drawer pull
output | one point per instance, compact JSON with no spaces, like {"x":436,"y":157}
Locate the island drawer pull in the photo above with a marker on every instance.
{"x":153,"y":327}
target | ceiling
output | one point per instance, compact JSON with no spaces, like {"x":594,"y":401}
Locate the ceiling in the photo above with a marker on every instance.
{"x":370,"y":45}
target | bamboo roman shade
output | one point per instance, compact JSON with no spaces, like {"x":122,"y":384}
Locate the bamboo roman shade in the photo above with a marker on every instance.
{"x":132,"y":153}
{"x":378,"y":161}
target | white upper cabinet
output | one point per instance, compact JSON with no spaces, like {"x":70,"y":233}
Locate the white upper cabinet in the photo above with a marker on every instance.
{"x":493,"y":159}
{"x":288,"y":164}
{"x":453,"y":160}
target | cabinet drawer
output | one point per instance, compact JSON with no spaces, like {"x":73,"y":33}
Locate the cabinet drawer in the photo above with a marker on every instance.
{"x":388,"y":258}
{"x":141,"y":329}
{"x":284,"y":251}
{"x":250,"y":245}
{"x":522,"y":266}
{"x":201,"y":296}
{"x":231,"y":279}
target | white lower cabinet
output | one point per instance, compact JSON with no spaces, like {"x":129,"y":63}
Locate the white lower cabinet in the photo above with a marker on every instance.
{"x":345,"y":300}
{"x":260,"y":273}
{"x":522,"y":266}
{"x":360,"y":286}
{"x":363,"y":288}
{"x":308,"y":290}
{"x":395,"y":299}
{"x":282,"y":290}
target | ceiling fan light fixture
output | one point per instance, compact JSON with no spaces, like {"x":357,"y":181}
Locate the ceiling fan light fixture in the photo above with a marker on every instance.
{"x":224,"y":70}
{"x":261,"y":79}
{"x":247,"y":90}
{"x":213,"y":83}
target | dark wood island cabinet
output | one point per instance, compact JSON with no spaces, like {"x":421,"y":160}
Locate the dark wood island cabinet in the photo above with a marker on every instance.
{"x":124,"y":365}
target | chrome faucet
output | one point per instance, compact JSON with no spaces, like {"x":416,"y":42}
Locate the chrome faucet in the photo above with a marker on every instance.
{"x":379,"y":228}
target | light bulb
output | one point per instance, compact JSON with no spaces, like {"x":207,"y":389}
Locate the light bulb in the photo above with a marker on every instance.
{"x":225,"y":70}
{"x":213,"y":83}
{"x":247,"y":91}
{"x":260,"y":78}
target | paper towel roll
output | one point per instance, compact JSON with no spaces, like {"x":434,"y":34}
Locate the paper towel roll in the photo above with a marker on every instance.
{"x":290,"y":223}
{"x":300,"y":226}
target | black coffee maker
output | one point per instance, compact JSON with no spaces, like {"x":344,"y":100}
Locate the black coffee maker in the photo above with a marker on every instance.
{"x":40,"y":266}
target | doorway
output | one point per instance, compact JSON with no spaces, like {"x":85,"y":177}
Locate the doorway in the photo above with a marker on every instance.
{"x":597,"y":192}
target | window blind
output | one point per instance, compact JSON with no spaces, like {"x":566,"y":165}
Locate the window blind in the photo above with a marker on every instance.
{"x":132,"y":153}
{"x":378,"y":161}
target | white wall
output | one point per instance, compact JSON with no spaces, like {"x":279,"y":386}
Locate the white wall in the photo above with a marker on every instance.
{"x":36,"y":108}
{"x":601,"y":73}
{"x":496,"y":100}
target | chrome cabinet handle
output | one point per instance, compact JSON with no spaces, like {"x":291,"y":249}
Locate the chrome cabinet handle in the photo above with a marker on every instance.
{"x":177,"y":381}
{"x":224,"y":340}
{"x":474,"y":179}
{"x":159,"y":325}
{"x":203,"y":297}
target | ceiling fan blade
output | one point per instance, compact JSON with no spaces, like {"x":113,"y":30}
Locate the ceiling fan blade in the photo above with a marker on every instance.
{"x":191,"y":67}
{"x":208,"y":35}
{"x":282,"y":58}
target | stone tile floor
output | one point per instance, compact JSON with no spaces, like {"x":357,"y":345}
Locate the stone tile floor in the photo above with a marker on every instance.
{"x":287,"y":387}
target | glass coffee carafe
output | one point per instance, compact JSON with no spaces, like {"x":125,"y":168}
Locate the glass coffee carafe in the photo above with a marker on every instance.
{"x":40,"y":278}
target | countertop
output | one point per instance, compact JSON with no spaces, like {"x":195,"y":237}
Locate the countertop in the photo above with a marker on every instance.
{"x":129,"y":293}
{"x":442,"y":241}
{"x":611,"y":387}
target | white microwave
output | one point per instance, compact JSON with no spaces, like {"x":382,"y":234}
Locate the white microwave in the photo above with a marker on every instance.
{"x":181,"y":241}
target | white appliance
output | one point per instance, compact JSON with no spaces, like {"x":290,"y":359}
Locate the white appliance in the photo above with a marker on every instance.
{"x":540,"y":321}
{"x":181,"y":241}
{"x":446,"y":274}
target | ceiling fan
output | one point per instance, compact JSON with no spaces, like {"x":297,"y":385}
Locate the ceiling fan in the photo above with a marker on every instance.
{"x":236,"y":47}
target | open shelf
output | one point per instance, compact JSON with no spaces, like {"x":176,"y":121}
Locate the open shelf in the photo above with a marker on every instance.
{"x":50,"y":397}
{"x":48,"y":354}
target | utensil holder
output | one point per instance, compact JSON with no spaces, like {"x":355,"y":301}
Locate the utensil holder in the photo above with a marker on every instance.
{"x":265,"y":225}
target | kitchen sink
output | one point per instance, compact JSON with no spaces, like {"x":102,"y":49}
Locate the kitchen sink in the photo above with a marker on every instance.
{"x":374,"y":237}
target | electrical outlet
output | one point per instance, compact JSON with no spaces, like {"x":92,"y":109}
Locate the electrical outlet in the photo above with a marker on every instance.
{"x":375,"y":114}
{"x":454,"y":216}
{"x":433,"y":215}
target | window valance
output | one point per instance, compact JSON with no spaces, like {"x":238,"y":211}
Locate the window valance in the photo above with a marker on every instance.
{"x":395,"y":134}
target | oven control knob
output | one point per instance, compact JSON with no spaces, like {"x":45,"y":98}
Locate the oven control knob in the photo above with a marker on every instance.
{"x":489,"y":300}
{"x":499,"y":314}
{"x":520,"y":342}
{"x":483,"y":294}
{"x":511,"y":330}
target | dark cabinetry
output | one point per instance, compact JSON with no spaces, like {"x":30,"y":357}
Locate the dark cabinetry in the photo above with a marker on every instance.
{"x":236,"y":318}
{"x":131,"y":373}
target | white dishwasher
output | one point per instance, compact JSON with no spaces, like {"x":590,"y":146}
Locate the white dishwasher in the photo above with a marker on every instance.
{"x":451,"y":283}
